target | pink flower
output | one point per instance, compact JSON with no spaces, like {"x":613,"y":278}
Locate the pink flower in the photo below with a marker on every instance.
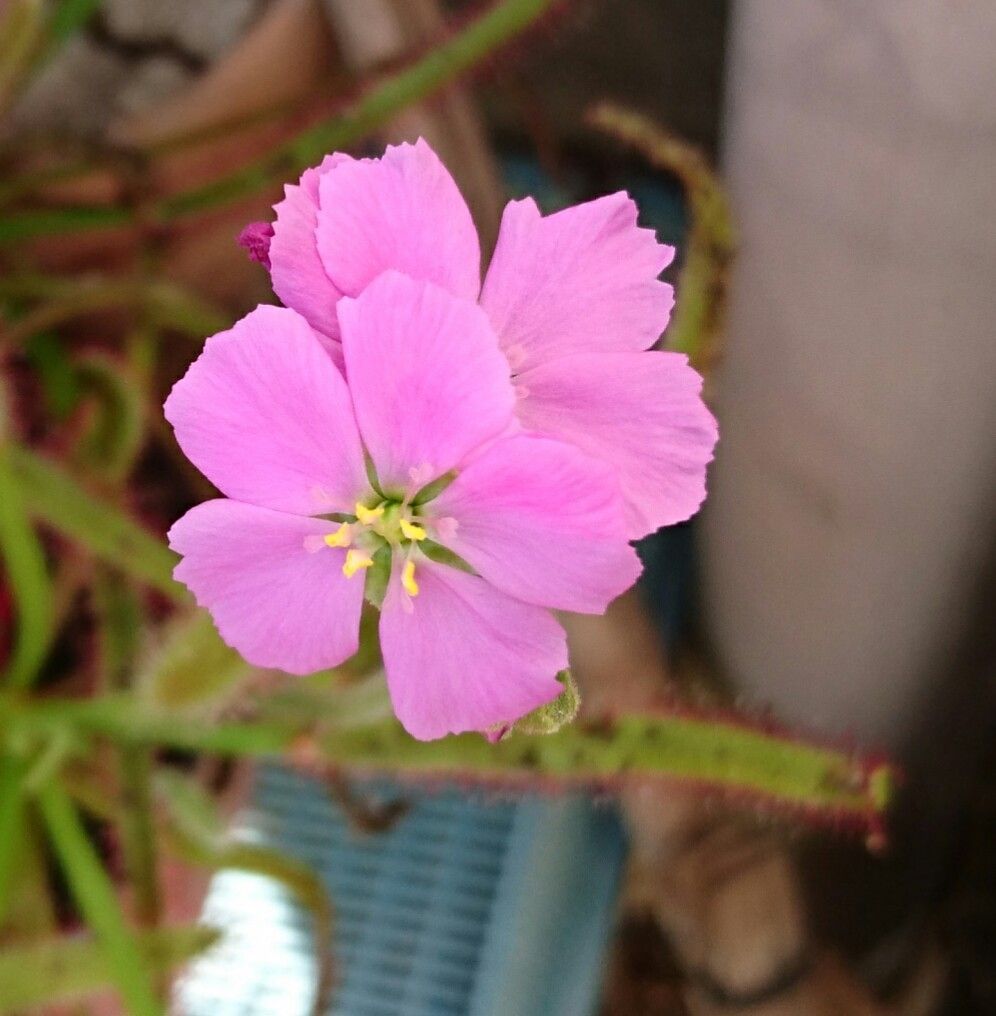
{"x":331,"y":484}
{"x":573,"y":297}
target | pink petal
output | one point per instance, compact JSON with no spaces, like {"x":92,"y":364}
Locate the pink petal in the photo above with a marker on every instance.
{"x":295,"y":269}
{"x":275,"y":600}
{"x":463,"y":656}
{"x":266,"y":416}
{"x":543,"y":522}
{"x":402,"y":211}
{"x":640,"y":412}
{"x":580,"y":280}
{"x":428,"y":382}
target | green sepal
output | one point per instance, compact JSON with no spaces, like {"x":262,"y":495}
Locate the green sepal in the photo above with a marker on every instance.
{"x":549,"y":718}
{"x":371,"y":470}
{"x":435,"y":488}
{"x":378,"y":575}
{"x":443,"y":555}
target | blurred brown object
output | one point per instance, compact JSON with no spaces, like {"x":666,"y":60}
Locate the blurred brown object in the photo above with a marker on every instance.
{"x":290,"y":66}
{"x":724,"y":890}
{"x":380,"y":32}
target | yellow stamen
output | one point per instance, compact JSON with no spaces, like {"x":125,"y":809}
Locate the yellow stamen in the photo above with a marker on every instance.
{"x":408,"y":578}
{"x":410,"y":531}
{"x":355,"y":560}
{"x":341,"y":537}
{"x":367,"y":515}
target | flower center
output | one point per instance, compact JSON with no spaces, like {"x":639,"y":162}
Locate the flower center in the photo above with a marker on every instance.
{"x":393,"y":524}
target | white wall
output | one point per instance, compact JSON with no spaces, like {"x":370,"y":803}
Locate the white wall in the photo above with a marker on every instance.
{"x":852,"y":498}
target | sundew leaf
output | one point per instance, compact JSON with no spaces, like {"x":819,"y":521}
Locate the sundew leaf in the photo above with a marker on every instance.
{"x":56,"y":373}
{"x":699,"y":314}
{"x":754,"y":765}
{"x":53,"y":496}
{"x":720,"y":755}
{"x":69,"y":968}
{"x":115,"y":433}
{"x":192,"y":669}
{"x":22,"y":561}
{"x":96,"y":896}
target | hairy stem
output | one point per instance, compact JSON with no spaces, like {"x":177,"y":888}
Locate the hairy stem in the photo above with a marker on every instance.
{"x":700,"y":310}
{"x":712,"y":752}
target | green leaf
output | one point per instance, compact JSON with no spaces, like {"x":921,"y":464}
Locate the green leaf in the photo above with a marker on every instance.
{"x":56,"y":372}
{"x":718,"y":754}
{"x":164,"y":304}
{"x":30,"y":911}
{"x":113,"y":439}
{"x":18,"y":226}
{"x":443,"y":555}
{"x":710,"y":244}
{"x":120,"y":623}
{"x":52,"y":496}
{"x":12,"y":826}
{"x":23,"y":562}
{"x":69,"y":968}
{"x":192,"y":670}
{"x":97,"y":900}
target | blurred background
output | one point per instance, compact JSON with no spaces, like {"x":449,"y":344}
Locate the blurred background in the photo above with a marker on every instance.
{"x":841,"y":577}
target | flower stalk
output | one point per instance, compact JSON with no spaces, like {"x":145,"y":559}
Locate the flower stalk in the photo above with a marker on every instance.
{"x":712,"y":752}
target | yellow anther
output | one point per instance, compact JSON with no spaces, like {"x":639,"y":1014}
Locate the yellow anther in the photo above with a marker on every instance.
{"x":355,"y":560}
{"x":367,"y":515}
{"x":408,"y":578}
{"x":410,"y":531}
{"x":341,"y":537}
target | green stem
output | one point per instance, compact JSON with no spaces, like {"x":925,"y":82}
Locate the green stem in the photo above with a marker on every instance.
{"x":12,"y":825}
{"x":138,"y":832}
{"x":27,"y":575}
{"x":467,"y":47}
{"x":95,"y":896}
{"x":710,"y":244}
{"x":711,"y":752}
{"x":121,"y":618}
